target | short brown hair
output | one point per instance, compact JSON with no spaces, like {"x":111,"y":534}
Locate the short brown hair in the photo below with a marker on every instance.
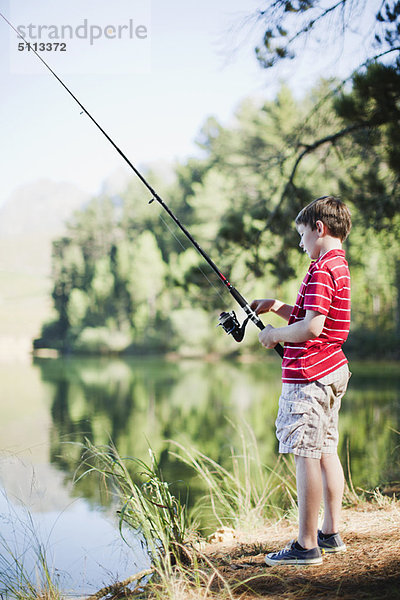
{"x":331,"y":211}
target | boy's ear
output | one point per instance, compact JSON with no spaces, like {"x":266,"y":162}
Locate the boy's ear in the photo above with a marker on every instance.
{"x":321,"y":228}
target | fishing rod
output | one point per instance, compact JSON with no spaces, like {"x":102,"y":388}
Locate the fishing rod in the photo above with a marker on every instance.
{"x":227,"y":320}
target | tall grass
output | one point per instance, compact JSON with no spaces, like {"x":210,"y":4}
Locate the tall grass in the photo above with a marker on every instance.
{"x":18,"y":581}
{"x":243,"y":496}
{"x":247,"y":493}
{"x":190,"y":583}
{"x":146,"y":503}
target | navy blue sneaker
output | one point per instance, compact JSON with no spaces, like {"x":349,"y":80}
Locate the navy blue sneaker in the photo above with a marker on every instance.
{"x":292,"y":556}
{"x":331,"y":544}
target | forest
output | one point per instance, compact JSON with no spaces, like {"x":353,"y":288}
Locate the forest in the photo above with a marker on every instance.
{"x":126,"y":280}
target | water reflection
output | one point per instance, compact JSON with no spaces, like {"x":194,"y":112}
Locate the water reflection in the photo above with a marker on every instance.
{"x":148,"y":402}
{"x":142,"y":402}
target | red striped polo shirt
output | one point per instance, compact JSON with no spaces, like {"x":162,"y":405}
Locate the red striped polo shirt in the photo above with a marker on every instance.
{"x":325,"y":289}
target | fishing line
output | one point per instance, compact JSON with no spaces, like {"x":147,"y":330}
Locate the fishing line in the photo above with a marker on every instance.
{"x":228,"y":321}
{"x":197,"y":266}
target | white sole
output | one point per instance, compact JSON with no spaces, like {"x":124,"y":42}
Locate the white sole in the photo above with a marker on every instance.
{"x":292,"y":561}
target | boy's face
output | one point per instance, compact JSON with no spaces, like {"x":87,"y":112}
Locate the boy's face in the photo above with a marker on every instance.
{"x":309,"y":240}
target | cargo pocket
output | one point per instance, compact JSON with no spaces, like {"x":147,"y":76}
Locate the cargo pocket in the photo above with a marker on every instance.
{"x":291,"y":422}
{"x":339,"y":387}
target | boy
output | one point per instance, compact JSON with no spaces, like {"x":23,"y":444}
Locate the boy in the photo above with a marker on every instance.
{"x":314,"y":378}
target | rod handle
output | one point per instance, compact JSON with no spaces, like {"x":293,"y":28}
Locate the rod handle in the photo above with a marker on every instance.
{"x":278,"y":348}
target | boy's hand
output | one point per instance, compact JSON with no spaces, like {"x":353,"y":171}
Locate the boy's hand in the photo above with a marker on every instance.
{"x":262,"y":306}
{"x":266,"y":337}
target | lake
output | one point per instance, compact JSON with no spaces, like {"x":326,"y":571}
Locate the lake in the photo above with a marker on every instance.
{"x":49,"y":406}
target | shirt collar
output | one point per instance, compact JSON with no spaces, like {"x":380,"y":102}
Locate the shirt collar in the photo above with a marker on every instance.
{"x":330,"y":254}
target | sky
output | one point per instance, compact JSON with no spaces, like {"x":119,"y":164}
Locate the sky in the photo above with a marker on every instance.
{"x":152,"y":94}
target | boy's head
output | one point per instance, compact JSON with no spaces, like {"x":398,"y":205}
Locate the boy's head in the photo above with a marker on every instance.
{"x":333,"y":213}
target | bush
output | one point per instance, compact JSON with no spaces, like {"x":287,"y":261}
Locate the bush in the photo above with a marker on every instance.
{"x":101,"y":340}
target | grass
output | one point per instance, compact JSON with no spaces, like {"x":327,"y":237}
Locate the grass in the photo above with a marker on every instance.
{"x":242,"y":496}
{"x":246,"y":493}
{"x":146,"y":503}
{"x":19,"y":582}
{"x":179,"y":569}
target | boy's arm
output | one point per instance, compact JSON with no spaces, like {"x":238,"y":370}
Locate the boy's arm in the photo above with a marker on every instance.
{"x":307,"y":329}
{"x":275,"y":306}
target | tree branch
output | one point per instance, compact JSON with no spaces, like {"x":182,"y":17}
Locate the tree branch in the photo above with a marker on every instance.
{"x":308,"y":148}
{"x":307,"y":28}
{"x":327,"y":139}
{"x":115,"y":588}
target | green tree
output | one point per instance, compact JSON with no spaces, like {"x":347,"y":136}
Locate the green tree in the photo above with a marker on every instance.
{"x":260,"y":182}
{"x":126,"y":279}
{"x":255,"y":157}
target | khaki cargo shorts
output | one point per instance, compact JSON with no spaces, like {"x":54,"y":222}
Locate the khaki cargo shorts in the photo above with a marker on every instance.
{"x":307,"y":421}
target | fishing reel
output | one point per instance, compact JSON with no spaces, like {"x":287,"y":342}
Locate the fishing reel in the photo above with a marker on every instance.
{"x":230,"y":324}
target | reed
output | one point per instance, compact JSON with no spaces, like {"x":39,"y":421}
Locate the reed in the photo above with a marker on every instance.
{"x":198,"y":581}
{"x":247,"y":492}
{"x":179,"y":569}
{"x":146,"y":503}
{"x":17,"y":580}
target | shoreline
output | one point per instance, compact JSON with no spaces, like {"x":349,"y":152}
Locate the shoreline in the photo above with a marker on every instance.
{"x":232,"y":563}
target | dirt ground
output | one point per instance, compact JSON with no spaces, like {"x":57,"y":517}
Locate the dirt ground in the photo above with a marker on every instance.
{"x":370,"y":569}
